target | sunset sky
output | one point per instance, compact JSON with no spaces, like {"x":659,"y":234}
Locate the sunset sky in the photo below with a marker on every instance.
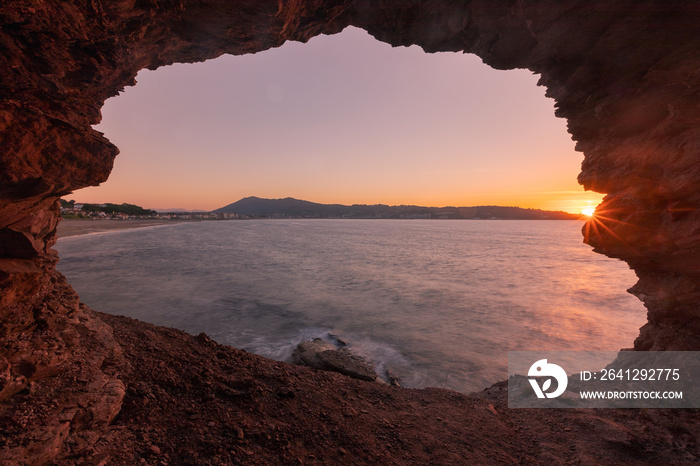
{"x":343,"y":119}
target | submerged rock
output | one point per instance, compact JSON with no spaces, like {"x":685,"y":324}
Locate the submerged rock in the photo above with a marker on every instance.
{"x":321,"y":354}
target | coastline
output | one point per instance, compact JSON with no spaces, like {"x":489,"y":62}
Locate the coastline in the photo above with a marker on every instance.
{"x":137,"y":393}
{"x":78,"y":227}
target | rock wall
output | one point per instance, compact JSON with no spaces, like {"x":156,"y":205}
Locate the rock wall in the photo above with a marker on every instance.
{"x":625,"y":75}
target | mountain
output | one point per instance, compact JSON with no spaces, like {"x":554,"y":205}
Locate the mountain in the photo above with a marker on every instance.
{"x":258,"y":207}
{"x":295,"y":208}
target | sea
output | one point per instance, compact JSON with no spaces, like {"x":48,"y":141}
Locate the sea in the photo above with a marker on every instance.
{"x":438,"y":302}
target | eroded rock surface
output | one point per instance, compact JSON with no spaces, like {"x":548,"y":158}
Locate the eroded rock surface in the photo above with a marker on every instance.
{"x":625,"y":75}
{"x":199,"y":402}
{"x":59,"y":381}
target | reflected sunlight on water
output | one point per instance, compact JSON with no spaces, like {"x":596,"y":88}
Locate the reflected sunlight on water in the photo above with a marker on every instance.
{"x":439,"y":302}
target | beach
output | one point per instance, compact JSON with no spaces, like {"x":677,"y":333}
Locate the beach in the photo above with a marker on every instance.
{"x":76,"y":227}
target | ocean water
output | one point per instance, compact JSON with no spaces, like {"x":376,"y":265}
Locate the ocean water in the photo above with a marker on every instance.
{"x":438,"y":302}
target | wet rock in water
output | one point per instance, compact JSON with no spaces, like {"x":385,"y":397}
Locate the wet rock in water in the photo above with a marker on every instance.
{"x":337,"y":340}
{"x":393,"y":378}
{"x":320,"y":354}
{"x":343,"y":361}
{"x":305,"y":352}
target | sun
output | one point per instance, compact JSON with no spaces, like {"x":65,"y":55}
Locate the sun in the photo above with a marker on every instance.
{"x":588,"y":211}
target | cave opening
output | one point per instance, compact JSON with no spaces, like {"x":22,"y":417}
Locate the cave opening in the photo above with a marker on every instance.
{"x":340,"y":119}
{"x":78,"y":385}
{"x":343,"y":119}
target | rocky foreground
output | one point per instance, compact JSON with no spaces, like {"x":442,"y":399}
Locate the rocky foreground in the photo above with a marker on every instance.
{"x":191,"y":400}
{"x":161,"y":396}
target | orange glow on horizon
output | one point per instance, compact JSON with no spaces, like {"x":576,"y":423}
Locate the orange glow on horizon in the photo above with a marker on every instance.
{"x":408,"y":128}
{"x":568,"y":201}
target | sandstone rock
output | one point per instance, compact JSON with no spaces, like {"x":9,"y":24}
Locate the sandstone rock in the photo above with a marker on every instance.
{"x":625,"y":75}
{"x":75,"y":400}
{"x":154,"y":450}
{"x":373,"y":423}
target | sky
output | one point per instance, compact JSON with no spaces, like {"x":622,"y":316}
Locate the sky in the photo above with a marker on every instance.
{"x":341,"y":119}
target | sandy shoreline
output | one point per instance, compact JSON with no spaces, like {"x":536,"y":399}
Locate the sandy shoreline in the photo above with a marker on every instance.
{"x":75,"y":227}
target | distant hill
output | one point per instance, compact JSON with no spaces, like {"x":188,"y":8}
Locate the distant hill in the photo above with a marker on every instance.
{"x":258,"y":207}
{"x":295,"y":208}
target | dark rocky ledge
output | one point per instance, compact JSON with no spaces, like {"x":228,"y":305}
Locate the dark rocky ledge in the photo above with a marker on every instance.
{"x":189,"y":400}
{"x":625,"y":75}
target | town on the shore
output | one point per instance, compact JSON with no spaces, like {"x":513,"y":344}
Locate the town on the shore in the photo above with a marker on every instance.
{"x":76,"y":210}
{"x":254,"y":207}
